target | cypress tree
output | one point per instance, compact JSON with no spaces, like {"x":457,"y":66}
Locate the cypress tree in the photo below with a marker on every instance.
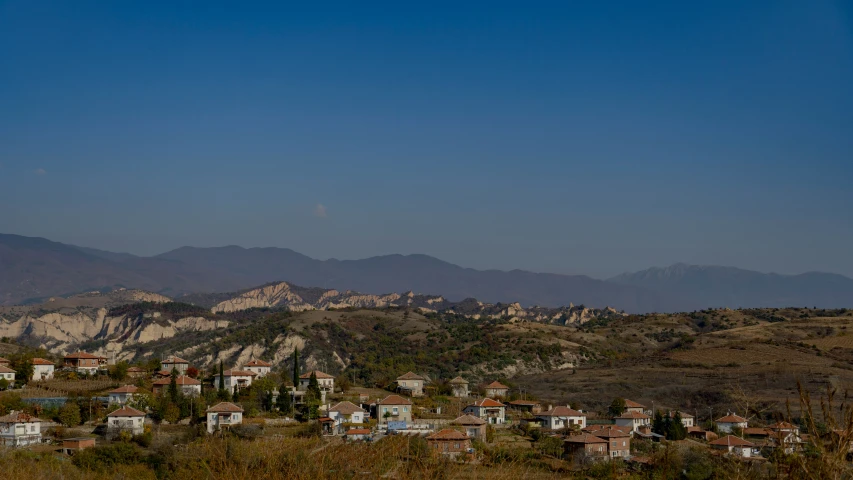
{"x":296,"y":368}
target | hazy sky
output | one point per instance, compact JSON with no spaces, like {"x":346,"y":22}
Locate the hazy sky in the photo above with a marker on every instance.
{"x":595,"y":138}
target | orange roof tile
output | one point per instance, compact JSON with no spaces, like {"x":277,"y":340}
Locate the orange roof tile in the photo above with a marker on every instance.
{"x":346,"y":408}
{"x":41,"y":361}
{"x":633,"y":404}
{"x":497,"y":385}
{"x":19,"y":417}
{"x":394,"y":400}
{"x":239,"y":373}
{"x":258,"y":363}
{"x":224,"y":407}
{"x":82,"y":355}
{"x":127,"y":412}
{"x":448,"y":434}
{"x":732,"y":441}
{"x":410,"y":376}
{"x":5,"y":369}
{"x":318,"y":373}
{"x":584,"y":438}
{"x":469,"y":420}
{"x":126,"y":389}
{"x":561,"y":411}
{"x":487,"y":402}
{"x":181,"y":380}
{"x":458,"y":381}
{"x":633,"y":415}
{"x":731,"y":419}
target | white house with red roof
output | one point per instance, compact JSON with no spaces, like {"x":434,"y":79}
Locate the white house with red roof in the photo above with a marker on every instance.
{"x":18,"y":429}
{"x":177,"y":363}
{"x":127,"y":419}
{"x":411,"y":383}
{"x":633,"y":419}
{"x":560,"y":417}
{"x":235,"y":380}
{"x":223,"y":415}
{"x":734,"y":445}
{"x":260,"y":367}
{"x":489,"y":410}
{"x":394,"y":408}
{"x":632,"y":406}
{"x":731,"y":421}
{"x":187,"y":385}
{"x":347,"y":412}
{"x":5,"y":362}
{"x":7,"y":374}
{"x":123,"y":394}
{"x":326,"y":381}
{"x":42,"y":369}
{"x":496,"y":389}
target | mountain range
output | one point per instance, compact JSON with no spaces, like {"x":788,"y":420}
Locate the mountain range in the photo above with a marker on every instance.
{"x":32,"y":269}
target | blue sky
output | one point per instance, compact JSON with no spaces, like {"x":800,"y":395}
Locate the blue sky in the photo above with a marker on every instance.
{"x":591,"y":139}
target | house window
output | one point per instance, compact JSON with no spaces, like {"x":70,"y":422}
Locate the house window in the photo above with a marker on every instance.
{"x":416,"y":384}
{"x":395,"y":411}
{"x":456,"y":446}
{"x":384,"y":409}
{"x":405,"y":409}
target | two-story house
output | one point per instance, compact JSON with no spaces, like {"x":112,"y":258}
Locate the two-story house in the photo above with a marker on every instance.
{"x":126,"y":419}
{"x":560,"y":417}
{"x":173,"y":362}
{"x":489,"y":410}
{"x":82,"y":362}
{"x":459,"y":387}
{"x":733,"y":445}
{"x":346,"y":413}
{"x":187,"y":385}
{"x":324,"y":380}
{"x":394,"y":408}
{"x":7,"y":374}
{"x":122,"y":395}
{"x":632,"y":406}
{"x":18,"y":429}
{"x":411,"y":384}
{"x":223,"y":415}
{"x":730,"y":422}
{"x":235,"y":380}
{"x":633,"y":419}
{"x":474,"y":427}
{"x":496,"y":389}
{"x":260,"y":367}
{"x":618,"y":440}
{"x":449,"y":442}
{"x":42,"y":369}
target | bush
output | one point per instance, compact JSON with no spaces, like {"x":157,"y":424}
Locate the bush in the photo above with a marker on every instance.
{"x":106,"y":457}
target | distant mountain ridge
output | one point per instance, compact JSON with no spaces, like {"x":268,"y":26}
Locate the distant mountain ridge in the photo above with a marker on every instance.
{"x":37,"y":268}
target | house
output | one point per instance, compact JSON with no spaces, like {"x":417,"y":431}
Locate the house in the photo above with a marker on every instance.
{"x":260,"y":367}
{"x":734,"y":445}
{"x":18,"y":429}
{"x":236,"y":380}
{"x":496,"y":389}
{"x":492,"y":411}
{"x":326,"y":381}
{"x":632,"y":419}
{"x":82,"y":362}
{"x":223,"y":415}
{"x":411,"y":384}
{"x":122,"y":395}
{"x":187,"y":385}
{"x":136,"y":372}
{"x":327,"y":425}
{"x":699,"y":433}
{"x":5,"y":362}
{"x":560,"y":417}
{"x":70,"y":446}
{"x":618,"y":440}
{"x":449,"y":442}
{"x":356,"y":434}
{"x":528,"y":406}
{"x":632,"y":406}
{"x":645,"y":432}
{"x":394,"y":408}
{"x":7,"y":374}
{"x":731,"y":421}
{"x":162,"y":374}
{"x":474,"y":427}
{"x":347,"y":412}
{"x":42,"y":369}
{"x":784,"y":427}
{"x":126,"y":419}
{"x":459,"y":386}
{"x":585,"y":444}
{"x":686,"y":419}
{"x":175,"y":363}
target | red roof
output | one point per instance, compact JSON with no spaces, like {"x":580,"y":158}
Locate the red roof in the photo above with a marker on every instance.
{"x":181,"y":380}
{"x":126,"y":389}
{"x":19,"y":417}
{"x":41,"y":361}
{"x":633,"y":415}
{"x":610,"y":431}
{"x":239,"y":373}
{"x":5,"y":369}
{"x":4,"y":360}
{"x":487,"y":402}
{"x":394,"y":400}
{"x":458,"y":381}
{"x":346,"y":408}
{"x":410,"y":376}
{"x":732,"y":441}
{"x":358,"y":431}
{"x":497,"y":385}
{"x":633,"y":404}
{"x":224,"y":407}
{"x":469,"y":420}
{"x":561,"y":411}
{"x":448,"y":434}
{"x":258,"y":363}
{"x":584,"y":438}
{"x":317,"y":373}
{"x":82,"y":355}
{"x":127,"y":412}
{"x":730,"y":418}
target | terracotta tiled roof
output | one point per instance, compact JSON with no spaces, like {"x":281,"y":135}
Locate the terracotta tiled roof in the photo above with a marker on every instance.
{"x":82,"y":355}
{"x":608,"y":430}
{"x":633,"y":404}
{"x":497,"y":385}
{"x":258,"y":363}
{"x":4,"y":360}
{"x":224,"y":407}
{"x":164,"y":373}
{"x":318,"y":373}
{"x":487,"y":402}
{"x":561,"y":411}
{"x":633,"y":415}
{"x":239,"y":373}
{"x":127,"y":412}
{"x":458,"y":381}
{"x":126,"y":389}
{"x":732,"y":441}
{"x":173,"y":359}
{"x":41,"y":361}
{"x":584,"y":438}
{"x":181,"y":380}
{"x":757,"y":431}
{"x":346,"y":408}
{"x":410,"y":376}
{"x":731,"y":419}
{"x":5,"y":369}
{"x":19,"y":417}
{"x":448,"y":434}
{"x":358,"y":431}
{"x":469,"y":420}
{"x":394,"y":400}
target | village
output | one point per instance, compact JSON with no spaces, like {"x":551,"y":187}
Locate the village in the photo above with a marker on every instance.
{"x":453,"y":416}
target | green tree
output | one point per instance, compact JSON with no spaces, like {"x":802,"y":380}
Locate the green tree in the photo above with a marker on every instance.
{"x":23,"y":371}
{"x":119,"y":371}
{"x":296,"y":368}
{"x":223,"y":394}
{"x":617,"y":407}
{"x":658,"y":425}
{"x":284,"y":402}
{"x":173,"y":386}
{"x":4,"y":384}
{"x":69,"y":414}
{"x":677,"y":430}
{"x":313,"y":388}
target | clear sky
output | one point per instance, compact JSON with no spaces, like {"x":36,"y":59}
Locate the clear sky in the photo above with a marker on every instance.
{"x":570,"y":137}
